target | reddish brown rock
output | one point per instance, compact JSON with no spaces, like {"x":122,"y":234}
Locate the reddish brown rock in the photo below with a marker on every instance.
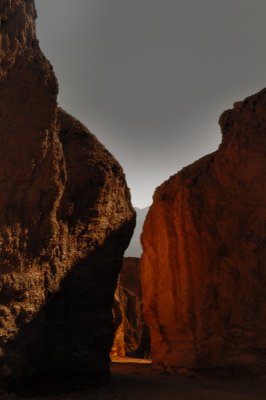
{"x":65,"y":221}
{"x":203,"y":266}
{"x":130,"y":275}
{"x":132,"y":335}
{"x":128,"y":323}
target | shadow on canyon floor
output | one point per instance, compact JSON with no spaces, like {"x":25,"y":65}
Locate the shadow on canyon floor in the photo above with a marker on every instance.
{"x":139,"y":381}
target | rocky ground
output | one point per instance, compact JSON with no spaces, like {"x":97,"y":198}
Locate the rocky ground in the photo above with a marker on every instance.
{"x":139,"y":381}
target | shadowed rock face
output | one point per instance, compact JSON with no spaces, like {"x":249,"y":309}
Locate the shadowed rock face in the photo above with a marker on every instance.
{"x":132,"y":335}
{"x":130,"y":275}
{"x":65,"y":221}
{"x":203,"y":266}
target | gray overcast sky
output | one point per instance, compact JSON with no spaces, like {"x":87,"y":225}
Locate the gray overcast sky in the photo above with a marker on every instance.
{"x":151,"y":77}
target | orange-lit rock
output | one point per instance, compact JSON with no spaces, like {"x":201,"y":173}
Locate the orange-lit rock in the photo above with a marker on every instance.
{"x":132,"y":335}
{"x":65,"y":221}
{"x":129,"y":323}
{"x":203,"y":266}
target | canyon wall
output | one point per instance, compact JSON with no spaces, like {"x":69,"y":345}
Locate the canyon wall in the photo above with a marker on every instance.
{"x":204,"y":240}
{"x":132,"y":337}
{"x":65,"y":221}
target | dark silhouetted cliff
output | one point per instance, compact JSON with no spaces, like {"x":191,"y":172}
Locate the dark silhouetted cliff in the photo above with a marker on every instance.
{"x":65,"y":221}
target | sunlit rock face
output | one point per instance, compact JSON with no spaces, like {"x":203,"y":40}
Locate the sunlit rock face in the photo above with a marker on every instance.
{"x":203,"y":266}
{"x":65,"y":221}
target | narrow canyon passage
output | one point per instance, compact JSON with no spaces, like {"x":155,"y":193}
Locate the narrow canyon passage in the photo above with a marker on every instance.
{"x":194,"y":300}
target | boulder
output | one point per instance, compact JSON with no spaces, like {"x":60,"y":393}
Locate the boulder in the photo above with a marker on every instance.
{"x":204,"y":241}
{"x":65,"y":221}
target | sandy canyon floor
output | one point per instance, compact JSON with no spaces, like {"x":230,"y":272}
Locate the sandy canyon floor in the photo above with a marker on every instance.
{"x":139,"y":381}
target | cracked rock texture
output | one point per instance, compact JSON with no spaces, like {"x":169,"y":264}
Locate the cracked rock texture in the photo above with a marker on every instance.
{"x":204,"y":240}
{"x":65,"y":221}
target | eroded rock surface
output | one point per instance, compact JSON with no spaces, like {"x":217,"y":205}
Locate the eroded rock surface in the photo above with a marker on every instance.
{"x":203,"y":266}
{"x":132,"y":335}
{"x":65,"y":221}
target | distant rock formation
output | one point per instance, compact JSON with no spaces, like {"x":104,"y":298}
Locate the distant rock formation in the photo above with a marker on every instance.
{"x":132,"y":337}
{"x":203,"y":267}
{"x":65,"y":221}
{"x":130,"y":275}
{"x":134,"y":249}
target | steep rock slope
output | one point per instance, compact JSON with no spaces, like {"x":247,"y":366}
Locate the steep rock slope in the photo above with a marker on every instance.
{"x":203,"y":266}
{"x":65,"y":221}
